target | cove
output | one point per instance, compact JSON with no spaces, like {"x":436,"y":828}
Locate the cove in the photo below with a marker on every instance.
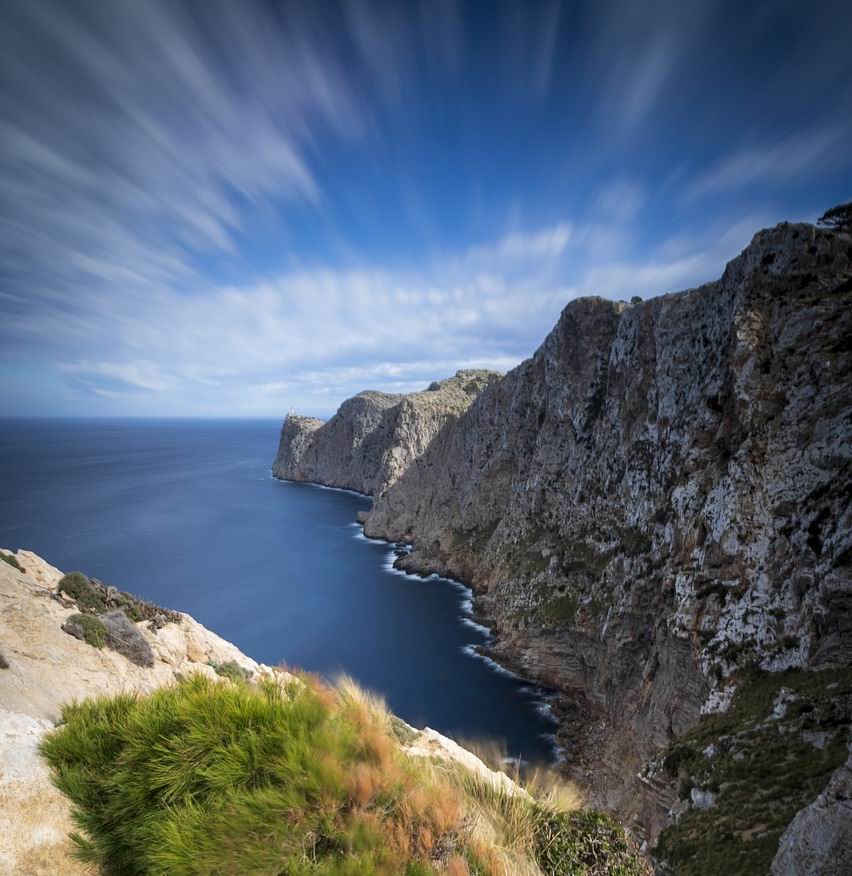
{"x":187,"y":514}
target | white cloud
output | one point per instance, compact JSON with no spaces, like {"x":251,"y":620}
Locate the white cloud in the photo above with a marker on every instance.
{"x":621,"y":199}
{"x":772,"y":163}
{"x":312,"y":337}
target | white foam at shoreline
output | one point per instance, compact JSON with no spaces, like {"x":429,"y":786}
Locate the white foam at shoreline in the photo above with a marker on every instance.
{"x":326,"y":487}
{"x":473,"y":651}
{"x":472,"y":624}
{"x":540,"y":702}
{"x":388,"y":565}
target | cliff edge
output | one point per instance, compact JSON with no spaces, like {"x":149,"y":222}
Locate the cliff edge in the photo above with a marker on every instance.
{"x":653,"y":512}
{"x":45,"y":665}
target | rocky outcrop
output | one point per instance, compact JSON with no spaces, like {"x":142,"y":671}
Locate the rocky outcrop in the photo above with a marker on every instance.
{"x":46,"y":668}
{"x":655,"y":500}
{"x":375,"y":437}
{"x":818,"y":842}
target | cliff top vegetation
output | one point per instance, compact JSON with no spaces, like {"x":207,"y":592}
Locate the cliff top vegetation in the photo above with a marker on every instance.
{"x":205,"y":777}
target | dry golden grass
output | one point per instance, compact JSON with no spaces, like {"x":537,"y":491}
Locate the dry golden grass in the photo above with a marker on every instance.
{"x":335,"y":791}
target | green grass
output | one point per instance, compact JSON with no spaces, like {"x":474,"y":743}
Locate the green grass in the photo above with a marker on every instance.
{"x":206,"y":778}
{"x":270,"y":780}
{"x":12,"y":561}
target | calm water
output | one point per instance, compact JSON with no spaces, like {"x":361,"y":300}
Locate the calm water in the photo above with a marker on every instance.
{"x":186,"y":513}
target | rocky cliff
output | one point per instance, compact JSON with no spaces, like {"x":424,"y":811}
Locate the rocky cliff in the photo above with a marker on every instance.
{"x":375,"y":437}
{"x":651,"y":509}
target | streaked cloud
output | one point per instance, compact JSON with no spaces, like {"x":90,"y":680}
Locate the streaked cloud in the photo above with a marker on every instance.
{"x":235,"y":207}
{"x":774,"y":163}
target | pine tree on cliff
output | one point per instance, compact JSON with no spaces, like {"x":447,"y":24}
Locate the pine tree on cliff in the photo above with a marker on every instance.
{"x":839,"y":217}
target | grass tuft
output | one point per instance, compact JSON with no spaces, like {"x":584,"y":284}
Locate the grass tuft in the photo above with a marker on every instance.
{"x":205,"y":778}
{"x":265,"y":779}
{"x":11,"y":560}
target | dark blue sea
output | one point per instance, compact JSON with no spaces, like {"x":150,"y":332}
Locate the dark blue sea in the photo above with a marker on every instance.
{"x":187,"y":514}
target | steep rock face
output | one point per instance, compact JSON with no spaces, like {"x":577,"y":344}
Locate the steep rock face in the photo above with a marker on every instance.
{"x":374,"y":437}
{"x":658,"y":498}
{"x":818,"y":842}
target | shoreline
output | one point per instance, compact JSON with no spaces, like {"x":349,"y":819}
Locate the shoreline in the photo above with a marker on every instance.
{"x":544,"y":699}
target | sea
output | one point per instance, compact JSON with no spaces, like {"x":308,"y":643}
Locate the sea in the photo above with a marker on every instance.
{"x":187,"y":514}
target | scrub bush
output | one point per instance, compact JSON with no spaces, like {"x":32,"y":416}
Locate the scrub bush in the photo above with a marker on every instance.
{"x":124,"y":637}
{"x":77,"y":586}
{"x":585,"y":842}
{"x":87,"y":627}
{"x":11,"y":560}
{"x":231,"y":669}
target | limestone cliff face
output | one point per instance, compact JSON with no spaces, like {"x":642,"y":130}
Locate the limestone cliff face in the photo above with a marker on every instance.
{"x":375,"y":437}
{"x":818,"y":841}
{"x":656,"y":499}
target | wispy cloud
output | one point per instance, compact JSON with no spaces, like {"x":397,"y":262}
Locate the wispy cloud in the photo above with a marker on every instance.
{"x":640,"y":48}
{"x":770,"y":163}
{"x":311,"y":337}
{"x":621,"y":199}
{"x":144,"y":136}
{"x":234,"y":207}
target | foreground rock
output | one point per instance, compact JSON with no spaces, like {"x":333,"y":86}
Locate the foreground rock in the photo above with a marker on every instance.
{"x":818,"y":842}
{"x":654,"y":502}
{"x":46,"y":667}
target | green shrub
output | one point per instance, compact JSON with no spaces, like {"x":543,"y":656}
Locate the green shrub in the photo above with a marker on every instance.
{"x":77,"y":586}
{"x":207,"y":778}
{"x":11,"y":560}
{"x":585,"y":843}
{"x":88,"y":628}
{"x":231,"y":669}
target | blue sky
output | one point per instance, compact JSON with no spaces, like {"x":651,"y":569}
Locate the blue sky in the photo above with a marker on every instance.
{"x":229,"y":209}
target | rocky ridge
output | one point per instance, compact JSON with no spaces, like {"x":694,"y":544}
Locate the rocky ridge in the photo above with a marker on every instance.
{"x":653,"y":506}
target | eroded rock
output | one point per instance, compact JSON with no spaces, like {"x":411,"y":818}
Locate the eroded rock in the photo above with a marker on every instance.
{"x":654,"y":501}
